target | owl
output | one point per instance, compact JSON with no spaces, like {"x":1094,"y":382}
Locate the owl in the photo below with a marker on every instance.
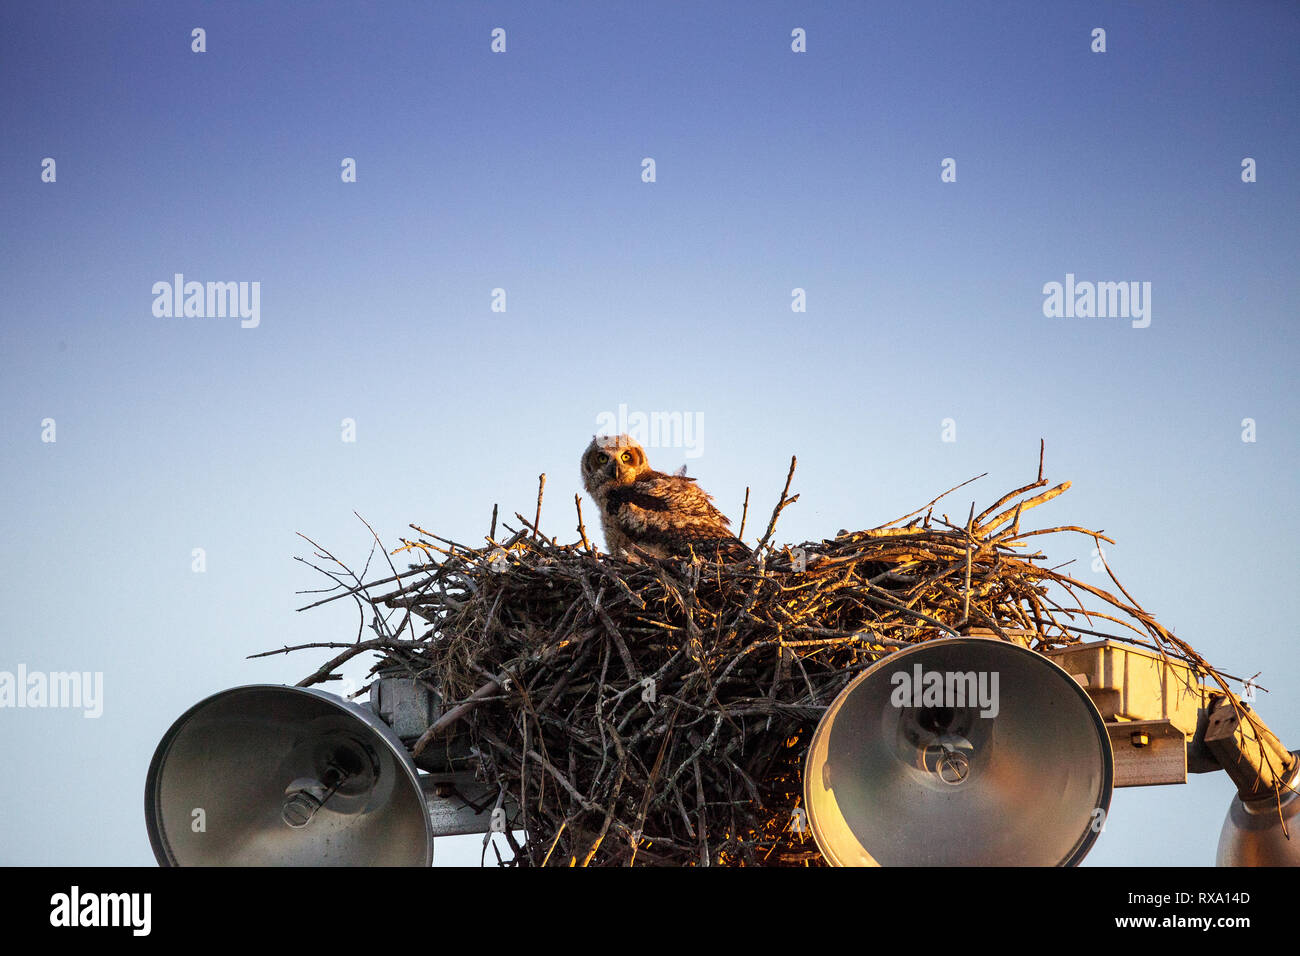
{"x":644,"y":512}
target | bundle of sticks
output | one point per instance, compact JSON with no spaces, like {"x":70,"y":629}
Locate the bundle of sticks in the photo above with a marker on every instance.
{"x":658,"y":712}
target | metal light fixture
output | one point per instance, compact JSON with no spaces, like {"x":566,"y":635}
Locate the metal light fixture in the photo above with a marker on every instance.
{"x":963,"y":751}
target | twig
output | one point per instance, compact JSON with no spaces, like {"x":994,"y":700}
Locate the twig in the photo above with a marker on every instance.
{"x":582,"y":531}
{"x":537,"y":518}
{"x":780,"y":506}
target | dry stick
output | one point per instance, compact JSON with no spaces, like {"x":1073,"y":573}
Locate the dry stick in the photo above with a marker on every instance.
{"x":609,"y":816}
{"x":681,"y":808}
{"x":780,"y":506}
{"x":434,"y":571}
{"x":622,"y":585}
{"x":515,"y":537}
{"x":600,"y":717}
{"x":492,"y":531}
{"x":355,"y":593}
{"x":426,"y":546}
{"x":407,"y":618}
{"x":611,"y":627}
{"x":1004,"y":537}
{"x":349,"y":591}
{"x":364,"y":645}
{"x":1141,"y":616}
{"x":537,"y":519}
{"x":559,"y":830}
{"x":541,"y":742}
{"x":550,"y":768}
{"x":1039,"y":611}
{"x":986,"y":527}
{"x":454,"y":544}
{"x":1015,"y":520}
{"x":564,"y":679}
{"x":889,"y":602}
{"x":970,"y":523}
{"x":487,"y":837}
{"x":744,"y":513}
{"x":324,"y":553}
{"x":326,"y":669}
{"x":654,"y":775}
{"x":582,"y":531}
{"x":1089,"y":614}
{"x":1009,"y":496}
{"x":455,"y":714}
{"x":535,"y":533}
{"x":612,"y":798}
{"x":413,"y":602}
{"x":929,"y":504}
{"x":703,"y":817}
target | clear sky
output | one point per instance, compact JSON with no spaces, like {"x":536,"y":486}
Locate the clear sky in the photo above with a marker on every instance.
{"x":523,"y":171}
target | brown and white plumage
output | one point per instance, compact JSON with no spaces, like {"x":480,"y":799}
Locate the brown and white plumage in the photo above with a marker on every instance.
{"x":646,"y":512}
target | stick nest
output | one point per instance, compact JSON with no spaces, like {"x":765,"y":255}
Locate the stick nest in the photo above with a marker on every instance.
{"x":659,"y":712}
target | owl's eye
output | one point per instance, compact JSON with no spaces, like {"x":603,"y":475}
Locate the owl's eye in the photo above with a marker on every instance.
{"x":602,"y":458}
{"x":626,"y":457}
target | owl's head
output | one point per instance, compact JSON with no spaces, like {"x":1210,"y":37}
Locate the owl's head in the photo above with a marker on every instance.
{"x":612,"y":459}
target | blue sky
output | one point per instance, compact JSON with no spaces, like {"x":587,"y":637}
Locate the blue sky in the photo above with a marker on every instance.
{"x":523,"y":171}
